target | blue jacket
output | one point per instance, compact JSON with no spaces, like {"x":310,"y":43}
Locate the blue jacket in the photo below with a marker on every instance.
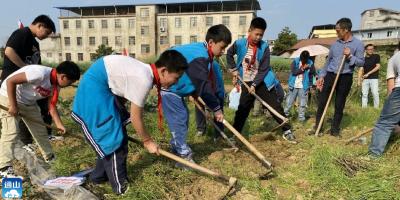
{"x":195,"y":79}
{"x":264,"y":74}
{"x":307,"y":74}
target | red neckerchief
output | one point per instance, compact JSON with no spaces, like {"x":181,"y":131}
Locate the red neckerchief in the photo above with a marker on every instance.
{"x":254,"y":46}
{"x":237,"y":87}
{"x":156,"y":81}
{"x":53,"y":81}
{"x":211,"y":75}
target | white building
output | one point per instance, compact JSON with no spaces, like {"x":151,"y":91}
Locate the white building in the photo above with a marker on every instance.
{"x":143,"y":30}
{"x":379,"y":26}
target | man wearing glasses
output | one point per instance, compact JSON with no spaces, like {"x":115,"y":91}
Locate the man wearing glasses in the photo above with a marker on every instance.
{"x":369,"y":73}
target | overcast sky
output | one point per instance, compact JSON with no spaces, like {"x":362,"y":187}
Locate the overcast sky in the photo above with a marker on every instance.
{"x":298,"y":15}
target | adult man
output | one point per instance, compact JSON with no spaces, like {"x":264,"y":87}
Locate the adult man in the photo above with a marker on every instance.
{"x":353,"y":50}
{"x":370,"y":73}
{"x":390,"y":115}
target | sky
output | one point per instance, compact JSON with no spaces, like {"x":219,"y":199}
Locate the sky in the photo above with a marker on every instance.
{"x":299,"y":15}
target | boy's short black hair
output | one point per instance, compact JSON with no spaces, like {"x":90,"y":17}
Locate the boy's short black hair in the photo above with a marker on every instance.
{"x":219,"y":33}
{"x":70,"y":69}
{"x":46,"y":21}
{"x":344,"y":23}
{"x":173,"y":61}
{"x":304,"y":55}
{"x":369,"y":45}
{"x":259,"y":23}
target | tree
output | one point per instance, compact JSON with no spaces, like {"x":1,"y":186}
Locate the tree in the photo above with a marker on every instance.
{"x":101,"y":51}
{"x":285,"y":40}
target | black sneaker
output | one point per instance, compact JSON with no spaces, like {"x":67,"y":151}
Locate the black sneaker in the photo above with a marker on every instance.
{"x":186,"y":157}
{"x":51,"y":159}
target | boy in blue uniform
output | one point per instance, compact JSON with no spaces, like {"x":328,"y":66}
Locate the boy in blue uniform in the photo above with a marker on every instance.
{"x":300,"y":81}
{"x":253,"y":65}
{"x":98,"y":108}
{"x":199,"y":80}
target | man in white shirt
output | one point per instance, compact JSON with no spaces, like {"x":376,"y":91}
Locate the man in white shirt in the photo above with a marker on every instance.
{"x":390,"y":115}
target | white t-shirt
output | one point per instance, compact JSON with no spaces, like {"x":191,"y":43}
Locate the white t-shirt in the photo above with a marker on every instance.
{"x":37,"y":87}
{"x":393,"y":69}
{"x":298,"y":83}
{"x":129,"y":78}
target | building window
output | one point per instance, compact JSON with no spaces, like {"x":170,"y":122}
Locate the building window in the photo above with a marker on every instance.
{"x":369,"y":35}
{"x":104,"y":23}
{"x":178,"y":40}
{"x":132,"y":40}
{"x":144,"y":12}
{"x":209,"y":21}
{"x":92,"y":41}
{"x":49,"y":55}
{"x":92,"y":56}
{"x":242,"y":20}
{"x":118,"y":41}
{"x":193,"y":38}
{"x":225,"y":20}
{"x":163,"y":23}
{"x":178,"y":22}
{"x":80,"y":56}
{"x":66,"y":24}
{"x":91,"y":23}
{"x":193,"y":21}
{"x":104,"y":40}
{"x":79,"y":41}
{"x":371,"y":13}
{"x":131,"y":23}
{"x":67,"y":41}
{"x":163,"y":40}
{"x":68,"y":56}
{"x":132,"y":55}
{"x":78,"y":23}
{"x":145,"y":48}
{"x":117,"y":23}
{"x":389,"y":33}
{"x":144,"y":30}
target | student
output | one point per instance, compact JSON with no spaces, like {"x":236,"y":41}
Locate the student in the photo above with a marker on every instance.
{"x":22,"y":49}
{"x":201,"y":123}
{"x":300,"y":81}
{"x":198,"y":80}
{"x":99,"y":108}
{"x":253,"y":65}
{"x":20,"y":92}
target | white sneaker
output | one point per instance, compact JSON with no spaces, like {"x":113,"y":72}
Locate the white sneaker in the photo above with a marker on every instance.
{"x":30,"y":148}
{"x":8,"y":172}
{"x":53,"y":138}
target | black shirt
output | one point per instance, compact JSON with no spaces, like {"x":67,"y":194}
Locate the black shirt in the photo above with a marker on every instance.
{"x":370,"y":63}
{"x":27,"y":48}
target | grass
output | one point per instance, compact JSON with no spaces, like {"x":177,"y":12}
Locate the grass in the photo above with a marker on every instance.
{"x":308,"y":170}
